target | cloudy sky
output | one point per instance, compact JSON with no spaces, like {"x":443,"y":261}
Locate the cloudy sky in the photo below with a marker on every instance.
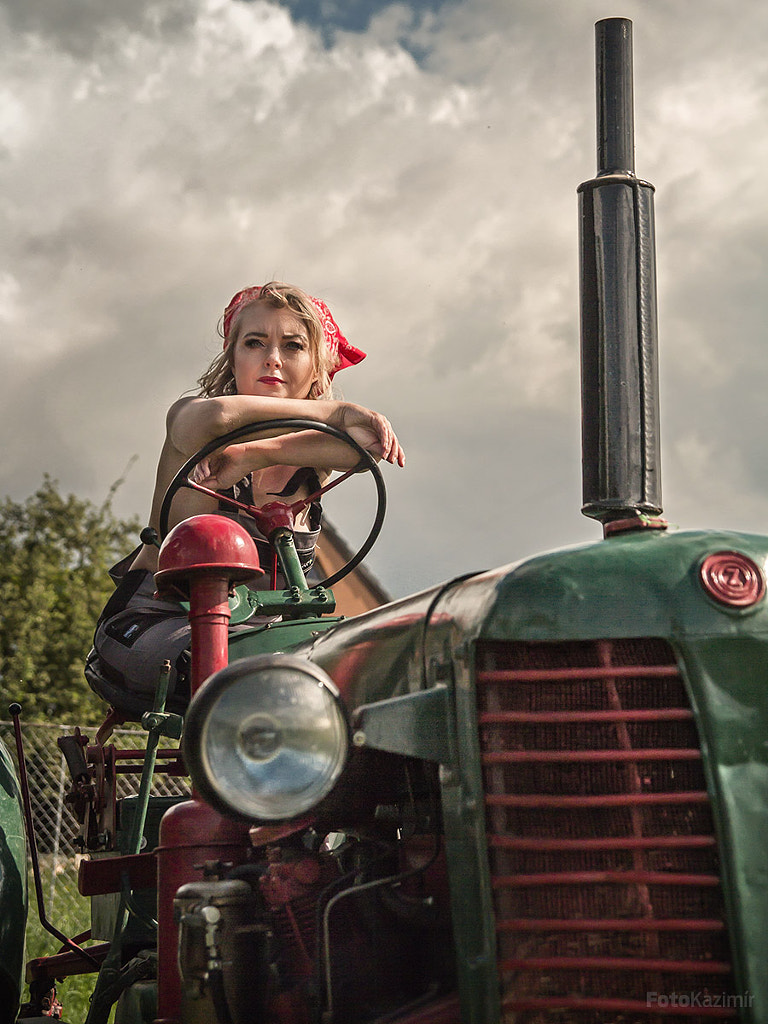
{"x":414,"y":164}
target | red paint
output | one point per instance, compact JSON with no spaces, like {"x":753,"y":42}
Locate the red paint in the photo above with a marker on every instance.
{"x":285,"y":881}
{"x":611,"y":800}
{"x":209,"y":617}
{"x":207,"y":554}
{"x":624,"y":715}
{"x":95,"y":877}
{"x":207,"y":544}
{"x":557,"y":756}
{"x":607,"y":924}
{"x":634,"y":523}
{"x":600,"y":842}
{"x":603,"y":878}
{"x":559,"y":675}
{"x":623,"y":1006}
{"x":65,"y":965}
{"x":569,"y":899}
{"x":613,"y":963}
{"x":732,"y":579}
{"x":276,"y":514}
{"x":190,"y":834}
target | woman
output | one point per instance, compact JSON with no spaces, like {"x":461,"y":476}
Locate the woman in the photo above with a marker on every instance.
{"x":281,"y":349}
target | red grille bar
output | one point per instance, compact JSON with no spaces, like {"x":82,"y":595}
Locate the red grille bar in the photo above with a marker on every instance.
{"x":557,"y":675}
{"x":608,"y":1008}
{"x":530,"y":800}
{"x":608,"y":877}
{"x":622,"y":924}
{"x":642,"y":715}
{"x":601,"y":843}
{"x":661,"y":754}
{"x":624,"y":963}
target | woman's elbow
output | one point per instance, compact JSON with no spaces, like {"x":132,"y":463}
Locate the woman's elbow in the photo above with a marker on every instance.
{"x":195,"y":423}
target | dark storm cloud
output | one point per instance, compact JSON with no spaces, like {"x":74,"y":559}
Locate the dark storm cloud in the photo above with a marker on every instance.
{"x":82,"y":27}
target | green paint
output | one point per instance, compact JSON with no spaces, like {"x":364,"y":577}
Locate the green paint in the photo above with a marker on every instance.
{"x":13,"y":889}
{"x":646,"y":584}
{"x":639,"y":584}
{"x":275,"y":637}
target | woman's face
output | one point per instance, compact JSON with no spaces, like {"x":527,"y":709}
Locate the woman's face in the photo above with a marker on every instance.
{"x":272,"y":356}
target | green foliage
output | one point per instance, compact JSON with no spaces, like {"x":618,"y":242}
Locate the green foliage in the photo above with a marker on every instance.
{"x":54,"y":556}
{"x":73,"y":993}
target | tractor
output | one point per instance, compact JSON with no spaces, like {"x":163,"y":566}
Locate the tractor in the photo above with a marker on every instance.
{"x":529,"y":795}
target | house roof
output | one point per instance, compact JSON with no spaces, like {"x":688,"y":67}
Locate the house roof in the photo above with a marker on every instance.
{"x":358,"y":592}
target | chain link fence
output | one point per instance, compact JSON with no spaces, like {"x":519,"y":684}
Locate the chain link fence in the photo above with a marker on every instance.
{"x":55,"y":824}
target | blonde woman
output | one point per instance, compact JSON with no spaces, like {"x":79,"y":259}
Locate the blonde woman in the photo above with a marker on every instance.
{"x":281,"y":349}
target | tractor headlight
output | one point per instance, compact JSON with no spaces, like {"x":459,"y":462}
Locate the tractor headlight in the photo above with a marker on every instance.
{"x":266,"y":738}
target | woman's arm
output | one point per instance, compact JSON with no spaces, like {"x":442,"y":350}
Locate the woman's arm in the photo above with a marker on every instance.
{"x":304,"y":448}
{"x":193,"y":422}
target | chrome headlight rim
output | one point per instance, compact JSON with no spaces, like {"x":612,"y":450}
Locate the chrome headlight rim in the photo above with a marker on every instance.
{"x":198,"y":719}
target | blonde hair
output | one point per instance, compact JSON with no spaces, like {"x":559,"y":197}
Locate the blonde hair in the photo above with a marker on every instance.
{"x":219,"y":378}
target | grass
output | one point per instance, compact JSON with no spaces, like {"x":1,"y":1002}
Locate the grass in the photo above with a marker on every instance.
{"x":72,"y":918}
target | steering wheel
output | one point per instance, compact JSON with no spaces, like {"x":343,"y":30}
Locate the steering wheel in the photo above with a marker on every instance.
{"x":367,"y":463}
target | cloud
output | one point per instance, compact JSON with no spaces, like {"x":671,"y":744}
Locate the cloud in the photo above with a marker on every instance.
{"x":417,"y":168}
{"x":85,"y":27}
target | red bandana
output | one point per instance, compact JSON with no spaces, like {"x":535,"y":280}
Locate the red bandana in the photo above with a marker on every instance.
{"x":344,"y":353}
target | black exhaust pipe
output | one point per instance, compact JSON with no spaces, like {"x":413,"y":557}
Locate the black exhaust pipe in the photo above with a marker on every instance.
{"x":619,"y":365}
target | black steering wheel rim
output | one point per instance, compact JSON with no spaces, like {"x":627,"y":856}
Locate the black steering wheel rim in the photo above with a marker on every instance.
{"x":368,"y":464}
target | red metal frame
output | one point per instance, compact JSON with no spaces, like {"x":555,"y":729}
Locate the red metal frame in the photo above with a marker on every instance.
{"x":209,"y":554}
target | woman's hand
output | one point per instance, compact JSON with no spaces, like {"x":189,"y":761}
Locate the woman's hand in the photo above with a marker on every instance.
{"x":370,"y":429}
{"x":224,"y":468}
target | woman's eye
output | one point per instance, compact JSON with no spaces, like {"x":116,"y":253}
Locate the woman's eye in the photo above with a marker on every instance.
{"x":254,"y":343}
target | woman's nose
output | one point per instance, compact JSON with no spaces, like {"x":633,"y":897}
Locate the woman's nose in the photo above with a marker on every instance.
{"x":272,"y":356}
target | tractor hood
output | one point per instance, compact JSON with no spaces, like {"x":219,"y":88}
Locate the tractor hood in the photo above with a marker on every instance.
{"x":641,"y":583}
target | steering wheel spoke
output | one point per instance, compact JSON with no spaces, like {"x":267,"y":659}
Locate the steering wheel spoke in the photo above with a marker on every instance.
{"x":252,"y":510}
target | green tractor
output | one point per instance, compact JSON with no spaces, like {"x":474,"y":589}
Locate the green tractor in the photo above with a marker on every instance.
{"x":532,"y":795}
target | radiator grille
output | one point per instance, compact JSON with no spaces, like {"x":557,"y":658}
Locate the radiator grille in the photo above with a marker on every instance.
{"x":601,"y":842}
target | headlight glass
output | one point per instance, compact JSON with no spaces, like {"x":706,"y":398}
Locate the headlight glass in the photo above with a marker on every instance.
{"x":266,"y":738}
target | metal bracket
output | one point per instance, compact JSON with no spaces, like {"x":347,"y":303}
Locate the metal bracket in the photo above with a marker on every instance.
{"x":416,"y":725}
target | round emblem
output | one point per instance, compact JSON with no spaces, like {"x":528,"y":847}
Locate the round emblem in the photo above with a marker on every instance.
{"x":733,"y":579}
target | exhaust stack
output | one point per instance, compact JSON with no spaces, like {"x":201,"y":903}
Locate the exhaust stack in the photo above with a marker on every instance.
{"x":619,"y":371}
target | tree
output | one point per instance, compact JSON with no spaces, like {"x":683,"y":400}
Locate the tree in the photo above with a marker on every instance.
{"x":54,"y":555}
